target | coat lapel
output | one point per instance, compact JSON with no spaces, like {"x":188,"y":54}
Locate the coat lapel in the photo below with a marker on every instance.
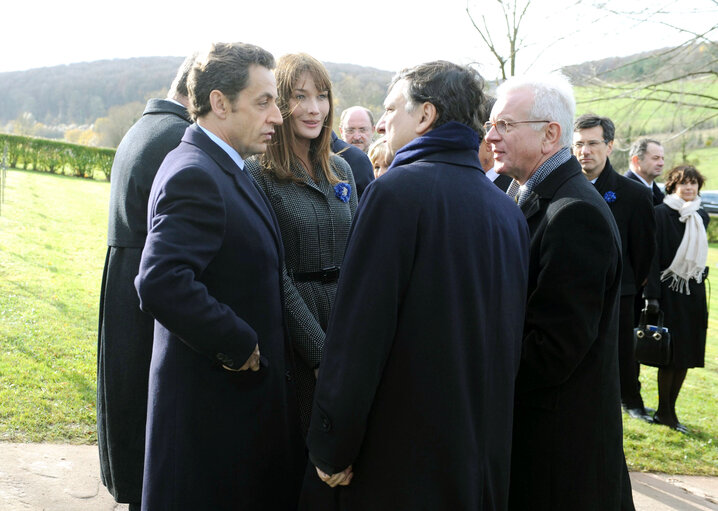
{"x":245,"y":183}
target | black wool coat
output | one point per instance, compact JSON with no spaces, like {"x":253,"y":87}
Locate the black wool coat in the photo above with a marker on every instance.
{"x":124,"y":344}
{"x":416,"y":384}
{"x":632,"y":208}
{"x":685,"y":316}
{"x":358,"y":161}
{"x":567,"y":449}
{"x":211,"y":276}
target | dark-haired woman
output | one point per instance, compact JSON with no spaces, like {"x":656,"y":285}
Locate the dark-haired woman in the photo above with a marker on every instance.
{"x":676,"y":284}
{"x":314,"y":197}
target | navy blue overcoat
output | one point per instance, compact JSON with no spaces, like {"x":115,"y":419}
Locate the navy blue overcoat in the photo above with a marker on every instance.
{"x":211,"y":275}
{"x":416,"y":384}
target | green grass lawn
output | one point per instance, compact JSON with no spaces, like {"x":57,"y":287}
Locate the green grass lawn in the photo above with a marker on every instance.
{"x":52,"y":248}
{"x":52,"y":245}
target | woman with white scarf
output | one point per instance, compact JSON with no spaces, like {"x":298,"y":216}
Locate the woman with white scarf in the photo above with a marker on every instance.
{"x":676,"y":284}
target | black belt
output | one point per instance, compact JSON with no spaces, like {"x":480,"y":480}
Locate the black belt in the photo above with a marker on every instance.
{"x":326,"y":275}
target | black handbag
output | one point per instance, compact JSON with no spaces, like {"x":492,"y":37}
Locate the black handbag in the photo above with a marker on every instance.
{"x":652,"y":343}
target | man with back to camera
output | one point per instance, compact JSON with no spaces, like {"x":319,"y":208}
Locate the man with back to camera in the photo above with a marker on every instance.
{"x":646,"y":164}
{"x":414,"y":398}
{"x":632,"y":208}
{"x":124,"y":346}
{"x":222,"y":424}
{"x":567,"y":451}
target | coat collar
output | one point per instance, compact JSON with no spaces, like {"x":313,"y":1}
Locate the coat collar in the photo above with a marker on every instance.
{"x":245,"y":183}
{"x":607,"y":179}
{"x":546,"y":189}
{"x":164,"y":106}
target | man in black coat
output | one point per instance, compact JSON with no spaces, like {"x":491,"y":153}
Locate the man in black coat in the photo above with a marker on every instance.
{"x":222,"y":423}
{"x":414,"y":398}
{"x":124,"y":346}
{"x":358,"y":161}
{"x":632,"y":208}
{"x":567,"y":451}
{"x":646,"y":164}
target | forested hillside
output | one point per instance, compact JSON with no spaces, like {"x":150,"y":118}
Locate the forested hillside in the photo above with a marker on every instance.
{"x":81,"y":93}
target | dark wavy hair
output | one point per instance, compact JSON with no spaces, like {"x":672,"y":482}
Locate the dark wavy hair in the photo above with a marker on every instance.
{"x":224,"y":68}
{"x":456,"y":91}
{"x":683,"y":174}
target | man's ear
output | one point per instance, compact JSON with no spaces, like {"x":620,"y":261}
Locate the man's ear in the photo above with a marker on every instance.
{"x":552,"y":137}
{"x":427,"y":119}
{"x":634,"y":161}
{"x":609,"y":147}
{"x":220,"y":104}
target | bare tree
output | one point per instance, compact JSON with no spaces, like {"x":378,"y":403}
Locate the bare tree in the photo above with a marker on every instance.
{"x":505,"y":49}
{"x":680,"y":78}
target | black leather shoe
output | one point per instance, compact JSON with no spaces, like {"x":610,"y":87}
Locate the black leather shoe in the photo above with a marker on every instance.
{"x":674,"y":425}
{"x":681,"y":429}
{"x":639,"y":413}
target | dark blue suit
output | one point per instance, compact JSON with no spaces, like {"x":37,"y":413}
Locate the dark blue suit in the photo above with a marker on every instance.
{"x":416,"y":384}
{"x":211,"y":275}
{"x":358,"y":161}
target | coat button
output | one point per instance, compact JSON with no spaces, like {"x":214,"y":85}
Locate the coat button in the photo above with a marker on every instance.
{"x":326,"y":425}
{"x":288,"y":374}
{"x":225,"y":359}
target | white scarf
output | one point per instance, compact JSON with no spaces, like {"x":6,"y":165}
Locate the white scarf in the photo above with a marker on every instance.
{"x":690,"y":259}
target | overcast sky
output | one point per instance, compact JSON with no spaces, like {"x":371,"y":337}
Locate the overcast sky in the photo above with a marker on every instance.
{"x":385,"y":34}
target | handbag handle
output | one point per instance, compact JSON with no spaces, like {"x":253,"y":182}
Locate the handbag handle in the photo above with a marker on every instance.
{"x":642,"y":329}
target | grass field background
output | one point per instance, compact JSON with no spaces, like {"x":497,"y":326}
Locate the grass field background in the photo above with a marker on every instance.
{"x":52,"y":249}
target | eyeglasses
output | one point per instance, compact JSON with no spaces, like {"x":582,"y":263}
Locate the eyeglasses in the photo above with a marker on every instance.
{"x":503,"y":126}
{"x":351,"y":131}
{"x":591,"y":144}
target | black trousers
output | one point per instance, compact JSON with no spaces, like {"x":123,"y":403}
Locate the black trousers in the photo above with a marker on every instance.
{"x":628,"y":368}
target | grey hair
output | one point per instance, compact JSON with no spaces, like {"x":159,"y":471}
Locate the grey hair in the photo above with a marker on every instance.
{"x":553,"y":100}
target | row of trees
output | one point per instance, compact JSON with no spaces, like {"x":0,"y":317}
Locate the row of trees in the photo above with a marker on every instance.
{"x":55,"y":157}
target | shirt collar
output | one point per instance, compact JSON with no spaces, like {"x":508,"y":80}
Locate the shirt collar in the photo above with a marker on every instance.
{"x":236,"y":158}
{"x":643,"y":180}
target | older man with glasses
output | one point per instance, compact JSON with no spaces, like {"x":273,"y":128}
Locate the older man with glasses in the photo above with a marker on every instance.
{"x":567,"y":449}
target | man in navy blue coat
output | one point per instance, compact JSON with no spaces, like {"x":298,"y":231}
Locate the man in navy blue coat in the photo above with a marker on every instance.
{"x":413,"y":405}
{"x":222,"y":424}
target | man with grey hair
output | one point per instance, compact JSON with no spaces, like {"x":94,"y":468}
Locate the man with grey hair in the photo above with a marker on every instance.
{"x":567,"y":449}
{"x":356,"y":127}
{"x":124,"y":345}
{"x":646,"y":164}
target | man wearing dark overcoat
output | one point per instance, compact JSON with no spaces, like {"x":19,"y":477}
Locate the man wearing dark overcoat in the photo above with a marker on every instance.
{"x":567,"y":451}
{"x":645,"y":164}
{"x":222,"y":423}
{"x":414,"y":398}
{"x":632,"y":208}
{"x":124,"y":344}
